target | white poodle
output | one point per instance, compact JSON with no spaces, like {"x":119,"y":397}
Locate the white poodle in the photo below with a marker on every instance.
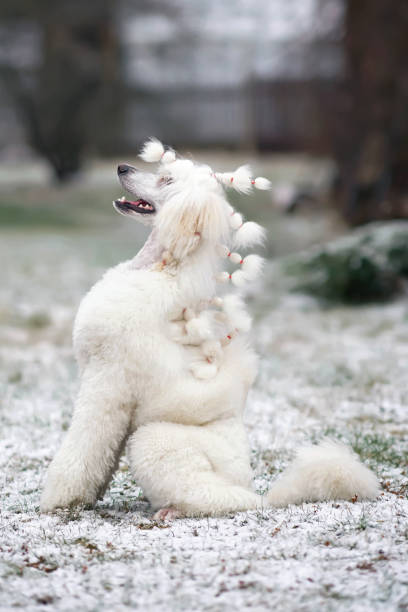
{"x":165,"y":363}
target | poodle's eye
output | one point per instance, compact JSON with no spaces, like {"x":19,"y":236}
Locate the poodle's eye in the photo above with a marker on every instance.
{"x":165,"y":180}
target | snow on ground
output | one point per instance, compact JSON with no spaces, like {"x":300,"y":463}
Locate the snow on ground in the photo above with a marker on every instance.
{"x":338,"y":372}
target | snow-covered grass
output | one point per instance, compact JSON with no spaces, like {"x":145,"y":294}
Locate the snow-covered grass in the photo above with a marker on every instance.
{"x":340,"y":372}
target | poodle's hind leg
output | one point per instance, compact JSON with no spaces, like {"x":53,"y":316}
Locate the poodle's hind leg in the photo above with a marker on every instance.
{"x":90,"y":452}
{"x":177,"y":475}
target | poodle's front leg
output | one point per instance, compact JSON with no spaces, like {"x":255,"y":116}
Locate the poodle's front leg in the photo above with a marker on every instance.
{"x":83,"y":466}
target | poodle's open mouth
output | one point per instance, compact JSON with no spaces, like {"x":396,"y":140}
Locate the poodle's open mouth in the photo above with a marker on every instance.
{"x":137,"y":206}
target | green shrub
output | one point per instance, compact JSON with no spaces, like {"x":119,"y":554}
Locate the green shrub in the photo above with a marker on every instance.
{"x":366,"y":266}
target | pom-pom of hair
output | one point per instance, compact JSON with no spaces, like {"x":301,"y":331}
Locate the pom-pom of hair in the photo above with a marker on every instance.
{"x":252,"y":266}
{"x":152,"y":151}
{"x":238,"y":278}
{"x":262,"y":183}
{"x":250,"y":270}
{"x":249,"y":234}
{"x":224,"y":178}
{"x":199,"y":328}
{"x":236,"y":220}
{"x":235,"y":258}
{"x":237,"y":316}
{"x":169,"y":156}
{"x":241,"y":179}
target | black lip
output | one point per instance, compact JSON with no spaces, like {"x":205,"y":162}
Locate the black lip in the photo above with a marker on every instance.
{"x":128,"y":206}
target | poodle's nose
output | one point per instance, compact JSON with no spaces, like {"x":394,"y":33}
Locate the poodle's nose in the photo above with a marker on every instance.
{"x":123,"y":168}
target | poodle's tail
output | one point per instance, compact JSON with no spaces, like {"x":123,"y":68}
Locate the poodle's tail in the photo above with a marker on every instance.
{"x":324,"y":472}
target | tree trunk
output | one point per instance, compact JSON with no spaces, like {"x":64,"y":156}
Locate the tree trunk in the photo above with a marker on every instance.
{"x":63,"y":101}
{"x":372,"y":127}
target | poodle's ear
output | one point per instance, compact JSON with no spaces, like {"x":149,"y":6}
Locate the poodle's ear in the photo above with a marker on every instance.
{"x":185,"y":222}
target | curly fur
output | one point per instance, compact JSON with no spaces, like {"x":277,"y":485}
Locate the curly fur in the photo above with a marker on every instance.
{"x":165,"y":364}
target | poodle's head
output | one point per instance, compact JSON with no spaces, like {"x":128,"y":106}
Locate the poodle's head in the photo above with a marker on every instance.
{"x":184,"y":201}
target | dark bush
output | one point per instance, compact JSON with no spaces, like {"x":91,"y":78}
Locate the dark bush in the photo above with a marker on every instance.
{"x":368,"y":265}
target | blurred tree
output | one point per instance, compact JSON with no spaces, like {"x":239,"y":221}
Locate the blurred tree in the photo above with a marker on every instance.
{"x":74,"y":82}
{"x":371,"y":131}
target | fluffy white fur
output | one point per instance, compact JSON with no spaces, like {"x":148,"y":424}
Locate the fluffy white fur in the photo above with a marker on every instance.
{"x":152,"y":151}
{"x":234,"y":309}
{"x":165,"y":365}
{"x":249,"y":234}
{"x":262,"y":183}
{"x":251,"y":267}
{"x":241,"y":180}
{"x":323,"y":472}
{"x":236,"y":220}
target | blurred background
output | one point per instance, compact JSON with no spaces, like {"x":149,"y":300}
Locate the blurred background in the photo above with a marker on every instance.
{"x":312,"y":92}
{"x":329,"y":78}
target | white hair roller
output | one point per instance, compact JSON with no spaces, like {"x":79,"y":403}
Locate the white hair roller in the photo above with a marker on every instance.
{"x":168,"y":157}
{"x":236,"y":220}
{"x":262,"y":183}
{"x":237,"y":316}
{"x":152,"y":151}
{"x":238,"y":278}
{"x":241,"y":179}
{"x":252,"y":266}
{"x":249,"y":234}
{"x":199,"y":328}
{"x":235,"y":258}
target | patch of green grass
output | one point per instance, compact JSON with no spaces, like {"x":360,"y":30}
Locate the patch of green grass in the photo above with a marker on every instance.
{"x":38,"y":320}
{"x":368,"y":265}
{"x":11,"y":569}
{"x":72,"y":207}
{"x":362,"y":522}
{"x":41,"y":216}
{"x":372,"y":447}
{"x":15,"y":377}
{"x":71,"y":514}
{"x":379,"y":449}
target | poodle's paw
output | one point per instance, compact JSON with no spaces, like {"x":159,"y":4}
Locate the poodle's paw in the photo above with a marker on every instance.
{"x":166,"y":514}
{"x":62,"y":491}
